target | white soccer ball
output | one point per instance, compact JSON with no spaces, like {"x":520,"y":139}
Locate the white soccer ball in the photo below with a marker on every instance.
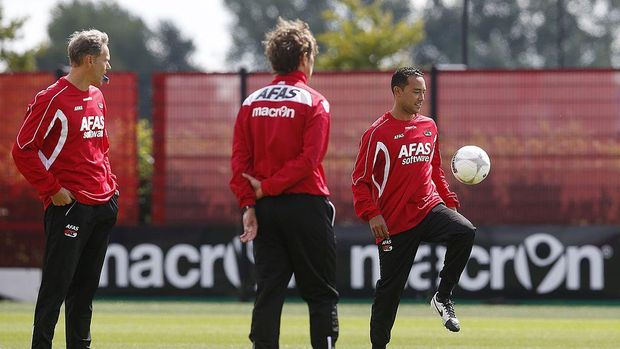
{"x":470,"y":165}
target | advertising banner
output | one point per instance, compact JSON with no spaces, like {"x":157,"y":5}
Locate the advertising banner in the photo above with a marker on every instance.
{"x":507,"y":262}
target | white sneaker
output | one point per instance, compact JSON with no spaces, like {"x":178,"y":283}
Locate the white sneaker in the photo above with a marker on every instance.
{"x":446,"y":311}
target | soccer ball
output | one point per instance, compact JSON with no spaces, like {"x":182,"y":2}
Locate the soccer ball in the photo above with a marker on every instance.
{"x":470,"y":165}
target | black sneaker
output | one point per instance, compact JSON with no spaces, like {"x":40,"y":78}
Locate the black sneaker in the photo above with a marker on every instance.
{"x":446,"y":311}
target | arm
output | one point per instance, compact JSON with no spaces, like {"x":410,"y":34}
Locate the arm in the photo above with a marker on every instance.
{"x":363,"y":201}
{"x":439,"y":178}
{"x":241,"y":161}
{"x":106,"y":146}
{"x":39,"y":117}
{"x":106,"y":159}
{"x":315,"y":141}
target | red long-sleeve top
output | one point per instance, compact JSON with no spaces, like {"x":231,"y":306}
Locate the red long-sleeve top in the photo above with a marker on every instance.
{"x":398,"y":172}
{"x":63,"y":143}
{"x":280,"y":137}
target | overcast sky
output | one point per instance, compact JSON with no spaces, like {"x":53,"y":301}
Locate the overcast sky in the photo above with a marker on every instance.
{"x":207,"y":22}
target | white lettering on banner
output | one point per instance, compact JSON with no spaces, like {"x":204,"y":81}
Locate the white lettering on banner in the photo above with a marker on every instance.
{"x":185,"y":266}
{"x":118,"y":254}
{"x":359,"y":255}
{"x":210,"y":254}
{"x":147,"y":271}
{"x":499,"y":256}
{"x":479,"y":281}
{"x":564,"y":266}
{"x":146,"y":265}
{"x":171,"y":269}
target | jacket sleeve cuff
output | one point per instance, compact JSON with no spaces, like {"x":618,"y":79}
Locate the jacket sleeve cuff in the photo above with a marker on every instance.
{"x":267,"y":188}
{"x":371,"y":214}
{"x":452,"y":203}
{"x":52,"y":190}
{"x":247,"y":202}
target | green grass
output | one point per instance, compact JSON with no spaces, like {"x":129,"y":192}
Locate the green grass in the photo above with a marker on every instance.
{"x":171,"y":325}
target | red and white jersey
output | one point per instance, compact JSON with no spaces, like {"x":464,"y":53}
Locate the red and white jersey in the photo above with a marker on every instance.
{"x":398,"y":172}
{"x":63,"y":143}
{"x":280,"y":137}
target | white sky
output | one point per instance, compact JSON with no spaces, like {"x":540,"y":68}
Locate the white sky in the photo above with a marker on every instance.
{"x":207,"y":22}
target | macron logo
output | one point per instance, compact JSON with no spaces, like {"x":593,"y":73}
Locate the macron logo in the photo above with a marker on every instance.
{"x":282,"y":112}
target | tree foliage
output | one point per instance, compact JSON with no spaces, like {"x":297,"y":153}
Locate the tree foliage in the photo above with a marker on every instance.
{"x":172,"y":51}
{"x":144,"y":134}
{"x":510,"y":34}
{"x":133,"y":46}
{"x":366,"y":36}
{"x":9,"y":32}
{"x":254,"y":18}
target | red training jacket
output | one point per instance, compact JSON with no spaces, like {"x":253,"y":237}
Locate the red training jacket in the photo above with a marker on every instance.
{"x":280,"y":137}
{"x":63,"y":143}
{"x":398,"y":172}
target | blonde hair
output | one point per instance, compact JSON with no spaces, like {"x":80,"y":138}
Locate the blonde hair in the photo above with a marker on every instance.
{"x":287,"y":42}
{"x":84,"y":43}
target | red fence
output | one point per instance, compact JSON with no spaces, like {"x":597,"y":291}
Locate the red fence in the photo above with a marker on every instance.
{"x":553,"y":138}
{"x":20,"y":206}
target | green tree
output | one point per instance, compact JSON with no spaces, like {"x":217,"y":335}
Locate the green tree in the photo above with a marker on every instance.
{"x":9,"y":32}
{"x":510,"y":34}
{"x":366,"y":36}
{"x":173,"y":52}
{"x":144,"y":135}
{"x":133,"y":46}
{"x":254,"y":18}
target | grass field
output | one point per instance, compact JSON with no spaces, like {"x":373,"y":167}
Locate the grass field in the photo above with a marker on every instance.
{"x":169,"y":324}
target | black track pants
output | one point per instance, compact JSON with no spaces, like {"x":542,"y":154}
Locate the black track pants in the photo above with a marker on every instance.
{"x":441,"y":225}
{"x":76,"y":241}
{"x":295,"y":236}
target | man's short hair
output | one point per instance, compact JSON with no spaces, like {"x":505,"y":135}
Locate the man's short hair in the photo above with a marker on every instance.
{"x":286,"y":43}
{"x":84,"y":43}
{"x":401,"y":76}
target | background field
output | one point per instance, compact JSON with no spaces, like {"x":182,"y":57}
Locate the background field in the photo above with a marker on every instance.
{"x":168,"y":324}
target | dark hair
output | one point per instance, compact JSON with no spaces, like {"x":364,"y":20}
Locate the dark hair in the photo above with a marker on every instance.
{"x":286,"y":43}
{"x":401,"y":76}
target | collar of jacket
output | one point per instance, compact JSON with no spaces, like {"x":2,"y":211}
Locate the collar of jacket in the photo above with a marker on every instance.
{"x":293,"y":76}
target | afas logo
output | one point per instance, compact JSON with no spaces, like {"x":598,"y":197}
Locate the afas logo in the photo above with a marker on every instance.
{"x":415,"y":152}
{"x":71,"y":230}
{"x":92,"y":126}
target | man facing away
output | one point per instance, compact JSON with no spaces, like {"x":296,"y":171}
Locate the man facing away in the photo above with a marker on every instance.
{"x":280,"y":138}
{"x":62,"y":150}
{"x":400,"y":189}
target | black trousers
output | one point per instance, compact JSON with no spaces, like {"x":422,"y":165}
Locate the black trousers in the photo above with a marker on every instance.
{"x":441,"y":225}
{"x":76,"y":241}
{"x":295,"y":236}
